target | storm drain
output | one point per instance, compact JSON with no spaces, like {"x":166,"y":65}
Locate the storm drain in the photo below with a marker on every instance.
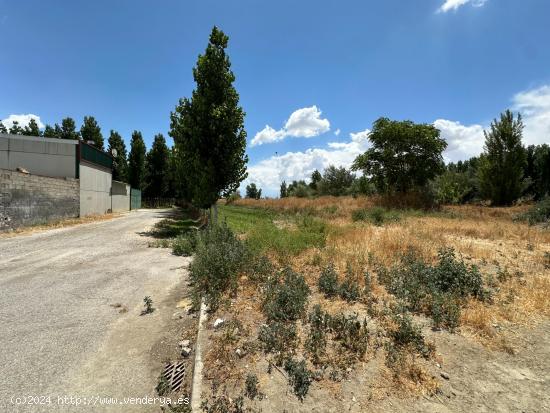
{"x":174,"y":374}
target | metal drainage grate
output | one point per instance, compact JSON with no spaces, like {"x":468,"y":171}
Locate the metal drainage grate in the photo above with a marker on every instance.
{"x":174,"y":373}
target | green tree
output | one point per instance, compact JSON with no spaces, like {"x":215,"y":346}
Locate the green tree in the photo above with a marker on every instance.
{"x":136,"y":161}
{"x":32,"y":129}
{"x":503,"y":162}
{"x":157,"y":167}
{"x":335,"y":181}
{"x":3,"y":128}
{"x":253,"y":192}
{"x":542,"y":171}
{"x":90,"y":131}
{"x":68,"y":129}
{"x":208,"y":129}
{"x":120,"y":162}
{"x":315,"y":179}
{"x":16,"y":129}
{"x":52,"y":132}
{"x":283,"y":193}
{"x":404,"y":156}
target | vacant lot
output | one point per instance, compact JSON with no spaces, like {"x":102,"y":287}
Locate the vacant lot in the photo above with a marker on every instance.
{"x":70,"y":313}
{"x":365,"y":308}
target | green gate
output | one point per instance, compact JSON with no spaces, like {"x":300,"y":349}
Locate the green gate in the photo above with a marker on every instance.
{"x":135,"y":198}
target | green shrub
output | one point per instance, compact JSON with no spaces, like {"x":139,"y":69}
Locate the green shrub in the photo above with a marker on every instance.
{"x":286,"y":297}
{"x":278,"y":338}
{"x":220,"y":257}
{"x":377,"y":215}
{"x":407,"y":334}
{"x":328,"y":281}
{"x":224,"y":404}
{"x":435,"y":290}
{"x":352,"y":334}
{"x":538,"y":214}
{"x":185,"y":244}
{"x":349,"y":289}
{"x":299,"y":377}
{"x":251,"y":386}
{"x":445,"y":312}
{"x":316,"y":342}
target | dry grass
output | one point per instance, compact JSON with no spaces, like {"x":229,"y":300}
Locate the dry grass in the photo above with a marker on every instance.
{"x":59,"y":224}
{"x":486,"y":237}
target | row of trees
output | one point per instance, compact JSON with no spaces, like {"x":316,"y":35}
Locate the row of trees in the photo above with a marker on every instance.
{"x":407,"y":157}
{"x":89,"y":130}
{"x":150,"y":171}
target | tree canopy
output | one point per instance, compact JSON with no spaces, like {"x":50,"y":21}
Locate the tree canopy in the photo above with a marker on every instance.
{"x":68,"y":129}
{"x":90,"y":131}
{"x":120,"y":163}
{"x":253,"y":192}
{"x":504,"y":159}
{"x":136,"y":161}
{"x":404,"y":155}
{"x":208,"y":128}
{"x":32,"y":129}
{"x":157,"y":165}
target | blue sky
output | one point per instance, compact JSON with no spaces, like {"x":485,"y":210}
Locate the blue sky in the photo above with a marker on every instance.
{"x":317,"y":72}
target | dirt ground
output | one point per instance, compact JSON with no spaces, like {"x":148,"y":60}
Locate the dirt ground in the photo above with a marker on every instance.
{"x":70,"y":314}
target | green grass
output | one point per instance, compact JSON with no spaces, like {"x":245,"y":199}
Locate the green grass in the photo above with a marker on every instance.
{"x":295,"y":233}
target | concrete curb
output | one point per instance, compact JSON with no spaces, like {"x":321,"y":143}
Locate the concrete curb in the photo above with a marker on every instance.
{"x":196,"y":387}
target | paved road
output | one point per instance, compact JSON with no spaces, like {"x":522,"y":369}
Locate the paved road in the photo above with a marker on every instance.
{"x":60,"y":334}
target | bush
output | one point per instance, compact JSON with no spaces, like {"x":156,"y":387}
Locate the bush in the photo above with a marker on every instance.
{"x":299,"y":377}
{"x":251,"y":386}
{"x":350,"y":332}
{"x":278,"y":338}
{"x":349,"y":289}
{"x":185,"y":244}
{"x":286,"y":298}
{"x":377,"y":215}
{"x":328,"y":281}
{"x":316,"y":342}
{"x":445,"y":312}
{"x":409,"y":335}
{"x":435,"y":290}
{"x":538,"y":214}
{"x":219,"y":258}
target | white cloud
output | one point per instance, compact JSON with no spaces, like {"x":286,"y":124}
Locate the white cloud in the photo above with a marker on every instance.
{"x":534,"y":106}
{"x":337,"y":132}
{"x":463,"y":141}
{"x":302,"y":123}
{"x":270,"y":172}
{"x":455,"y":4}
{"x":22,"y":119}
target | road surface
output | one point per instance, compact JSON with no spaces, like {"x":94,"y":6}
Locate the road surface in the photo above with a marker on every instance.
{"x":60,"y":332}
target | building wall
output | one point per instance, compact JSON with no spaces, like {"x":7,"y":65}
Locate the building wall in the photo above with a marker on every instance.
{"x":121,"y":196}
{"x":95,"y":189}
{"x":27,"y":199}
{"x":39,"y":156}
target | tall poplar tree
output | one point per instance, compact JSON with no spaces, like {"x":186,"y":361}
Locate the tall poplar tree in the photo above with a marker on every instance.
{"x":68,"y":129}
{"x":157,"y":164}
{"x":136,"y":161}
{"x":208,"y":128}
{"x":120,"y":162}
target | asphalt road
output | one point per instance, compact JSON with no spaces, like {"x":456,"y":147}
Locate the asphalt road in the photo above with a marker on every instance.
{"x":60,"y":334}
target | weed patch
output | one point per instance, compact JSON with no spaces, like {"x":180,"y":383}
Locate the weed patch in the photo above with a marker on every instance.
{"x":286,"y":297}
{"x":376,"y":216}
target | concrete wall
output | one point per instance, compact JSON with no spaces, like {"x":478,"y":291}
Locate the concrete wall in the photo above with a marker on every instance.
{"x":95,"y":189}
{"x":31,"y":199}
{"x":121,"y":196}
{"x":40,"y":156}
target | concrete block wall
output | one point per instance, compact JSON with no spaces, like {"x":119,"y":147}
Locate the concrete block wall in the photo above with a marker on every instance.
{"x":27,"y":199}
